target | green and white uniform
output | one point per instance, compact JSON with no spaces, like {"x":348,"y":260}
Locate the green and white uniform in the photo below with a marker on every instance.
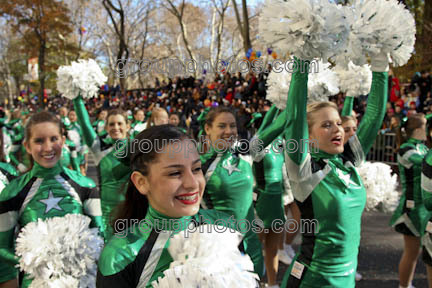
{"x":230,"y":181}
{"x":69,"y":156}
{"x":136,"y":128}
{"x":7,"y":174}
{"x":42,"y":193}
{"x":112,"y":173}
{"x":75,"y":135}
{"x":140,"y":255}
{"x":426,"y":186}
{"x":411,"y":216}
{"x":269,"y":178}
{"x":328,"y":191}
{"x":66,"y":122}
{"x":99,"y":126}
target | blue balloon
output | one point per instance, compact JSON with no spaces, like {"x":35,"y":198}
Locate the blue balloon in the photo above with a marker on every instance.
{"x":159,"y":93}
{"x":258,"y":54}
{"x":250,"y":50}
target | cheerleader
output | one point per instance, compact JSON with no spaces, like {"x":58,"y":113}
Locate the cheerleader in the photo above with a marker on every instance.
{"x":75,"y":134}
{"x":138,"y":125}
{"x":99,"y":124}
{"x":112,"y":172}
{"x":164,"y":192}
{"x":228,"y":171}
{"x":325,"y":183}
{"x":349,"y":124}
{"x":174,"y":120}
{"x":411,"y":216}
{"x":7,"y":171}
{"x":69,"y":156}
{"x":269,"y":205}
{"x":47,"y":190}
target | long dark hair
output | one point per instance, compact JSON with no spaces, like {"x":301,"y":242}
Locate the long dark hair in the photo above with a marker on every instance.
{"x":135,"y":205}
{"x":412,"y":123}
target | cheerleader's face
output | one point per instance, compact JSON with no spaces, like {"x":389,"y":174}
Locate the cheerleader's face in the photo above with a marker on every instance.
{"x":327,"y":130}
{"x":175,"y":183}
{"x":139,"y":116}
{"x":350,"y":128}
{"x":223,"y":131}
{"x":117,"y":127}
{"x":174,"y":120}
{"x":45,"y":144}
{"x":72,"y":116}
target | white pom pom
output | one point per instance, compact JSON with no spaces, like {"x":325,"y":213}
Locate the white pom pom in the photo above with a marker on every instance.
{"x":60,"y":248}
{"x":64,"y":282}
{"x":304,"y":28}
{"x":379,"y":27}
{"x":354,"y":80}
{"x":74,"y":136}
{"x":208,"y":257}
{"x":84,"y":76}
{"x":278,"y":86}
{"x":323,"y":84}
{"x":380,"y":186}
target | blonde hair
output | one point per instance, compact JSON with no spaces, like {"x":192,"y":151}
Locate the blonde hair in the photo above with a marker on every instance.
{"x":317,"y":106}
{"x":155,"y":112}
{"x":348,"y":118}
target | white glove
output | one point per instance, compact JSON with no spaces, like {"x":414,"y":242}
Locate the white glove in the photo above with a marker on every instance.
{"x":22,"y":168}
{"x":380,"y":62}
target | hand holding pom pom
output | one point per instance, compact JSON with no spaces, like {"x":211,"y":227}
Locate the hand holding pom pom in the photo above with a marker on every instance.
{"x":304,"y":28}
{"x":208,"y":258}
{"x":83,"y":77}
{"x":354,"y":80}
{"x":323,"y":82}
{"x":60,"y":250}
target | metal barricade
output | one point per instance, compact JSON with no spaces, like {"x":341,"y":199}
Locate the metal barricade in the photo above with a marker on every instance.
{"x":384,"y":149}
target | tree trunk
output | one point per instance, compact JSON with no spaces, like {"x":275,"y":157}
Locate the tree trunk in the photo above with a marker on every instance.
{"x":426,"y":38}
{"x":41,"y":61}
{"x":247,"y":41}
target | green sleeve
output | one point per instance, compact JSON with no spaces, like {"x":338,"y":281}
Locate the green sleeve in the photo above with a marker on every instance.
{"x":268,"y":118}
{"x":74,"y":158}
{"x":375,"y":111}
{"x":13,"y":159}
{"x":426,"y":180}
{"x":7,"y":256}
{"x":88,"y":133}
{"x":276,"y":127}
{"x":296,"y":111}
{"x":8,"y":222}
{"x":416,"y":158}
{"x":348,"y":106}
{"x":255,"y":116}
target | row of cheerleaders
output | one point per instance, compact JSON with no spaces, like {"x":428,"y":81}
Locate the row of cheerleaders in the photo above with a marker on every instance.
{"x":218,"y":185}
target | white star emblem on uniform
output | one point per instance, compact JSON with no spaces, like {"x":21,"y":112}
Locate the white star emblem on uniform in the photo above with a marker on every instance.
{"x":344,"y":177}
{"x":52,"y":202}
{"x":230,"y":168}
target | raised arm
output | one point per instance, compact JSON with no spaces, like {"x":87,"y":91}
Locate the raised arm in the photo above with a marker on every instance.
{"x":348,"y":106}
{"x":296,"y":112}
{"x":376,"y":106}
{"x":88,"y":133}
